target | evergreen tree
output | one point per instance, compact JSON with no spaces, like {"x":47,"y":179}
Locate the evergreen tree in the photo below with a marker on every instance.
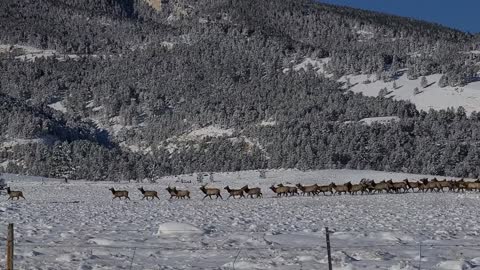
{"x":423,"y":82}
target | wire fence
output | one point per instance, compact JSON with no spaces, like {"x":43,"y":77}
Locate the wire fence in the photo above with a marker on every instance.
{"x":188,"y":249}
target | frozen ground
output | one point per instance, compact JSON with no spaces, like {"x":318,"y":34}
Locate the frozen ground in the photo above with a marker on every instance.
{"x":78,"y":226}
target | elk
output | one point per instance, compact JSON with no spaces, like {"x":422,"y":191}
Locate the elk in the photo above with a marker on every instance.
{"x":181,"y":194}
{"x":234,"y":192}
{"x":444,"y":184}
{"x":460,"y":185}
{"x":252,"y":191}
{"x":431,"y":185}
{"x":209,"y":192}
{"x":119,"y":194}
{"x":291,"y":190}
{"x":341,"y":188}
{"x":14,"y":194}
{"x":281,"y":190}
{"x":421,"y":186}
{"x":148,"y":194}
{"x":354,"y":189}
{"x":324,"y":189}
{"x":397,"y":186}
{"x":470,"y":186}
{"x":410,"y":185}
{"x":380,"y":187}
{"x":309,"y":190}
{"x":171,"y":191}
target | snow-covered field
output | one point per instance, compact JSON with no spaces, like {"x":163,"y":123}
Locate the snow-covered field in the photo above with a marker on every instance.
{"x":78,"y":226}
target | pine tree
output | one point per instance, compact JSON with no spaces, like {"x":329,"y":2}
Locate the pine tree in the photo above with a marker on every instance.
{"x":416,"y":91}
{"x":424,"y":82}
{"x":443,"y":82}
{"x":383,"y":92}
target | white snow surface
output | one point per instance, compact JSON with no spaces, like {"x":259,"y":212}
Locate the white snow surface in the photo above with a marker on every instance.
{"x":268,"y":123}
{"x":315,"y":64}
{"x":209,"y":131}
{"x":29,"y":53}
{"x":59,"y":106}
{"x":170,"y":228}
{"x":16,"y":141}
{"x":380,"y":120}
{"x":364,"y":35}
{"x":76,"y":225}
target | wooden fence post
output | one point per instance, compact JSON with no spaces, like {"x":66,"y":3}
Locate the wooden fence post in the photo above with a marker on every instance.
{"x":329,"y":253}
{"x":10,"y":247}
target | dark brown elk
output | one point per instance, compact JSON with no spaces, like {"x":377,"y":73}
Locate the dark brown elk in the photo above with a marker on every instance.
{"x":119,"y":194}
{"x":234,"y":192}
{"x":452,"y":185}
{"x":148,"y":194}
{"x":181,"y":194}
{"x":14,"y":194}
{"x":280,"y":191}
{"x":309,"y":190}
{"x":253,"y":191}
{"x":209,"y":192}
{"x":171,"y":191}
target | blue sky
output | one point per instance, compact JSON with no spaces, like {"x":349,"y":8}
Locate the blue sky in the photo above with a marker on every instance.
{"x":460,"y":14}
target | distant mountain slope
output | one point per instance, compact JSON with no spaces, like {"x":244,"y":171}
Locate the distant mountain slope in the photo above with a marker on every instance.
{"x":142,"y":77}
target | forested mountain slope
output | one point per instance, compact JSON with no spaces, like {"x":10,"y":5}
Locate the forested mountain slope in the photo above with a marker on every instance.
{"x":135,"y":89}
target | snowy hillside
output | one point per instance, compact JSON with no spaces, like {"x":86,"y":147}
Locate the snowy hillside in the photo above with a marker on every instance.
{"x":78,"y":226}
{"x":430,"y":97}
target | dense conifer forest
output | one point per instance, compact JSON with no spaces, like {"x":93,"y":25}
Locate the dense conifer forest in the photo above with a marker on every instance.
{"x":129,"y":84}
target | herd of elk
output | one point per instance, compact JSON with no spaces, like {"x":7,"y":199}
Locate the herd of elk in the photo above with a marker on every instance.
{"x":371,"y":187}
{"x":364,"y":187}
